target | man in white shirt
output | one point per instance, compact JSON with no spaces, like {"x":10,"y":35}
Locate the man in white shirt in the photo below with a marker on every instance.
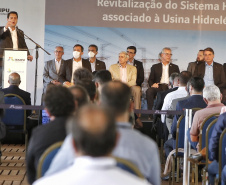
{"x":72,"y":64}
{"x":11,"y":38}
{"x":53,"y":68}
{"x":159,"y":76}
{"x":181,"y":92}
{"x":94,"y":137}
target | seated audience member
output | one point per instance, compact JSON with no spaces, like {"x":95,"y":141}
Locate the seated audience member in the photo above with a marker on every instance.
{"x":173,"y":86}
{"x":159,"y":76}
{"x":194,"y":101}
{"x":100,"y":78}
{"x":212,"y":72}
{"x":116,"y":95}
{"x":90,"y":88}
{"x":66,"y":77}
{"x":14,"y":83}
{"x":53,"y":68}
{"x":214,"y":147}
{"x":136,"y":90}
{"x":59,"y":105}
{"x":181,"y":92}
{"x":192,"y":65}
{"x":212,"y":97}
{"x":94,"y":138}
{"x":96,"y":65}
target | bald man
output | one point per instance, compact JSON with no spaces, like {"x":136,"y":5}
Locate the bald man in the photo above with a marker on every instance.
{"x":14,"y":82}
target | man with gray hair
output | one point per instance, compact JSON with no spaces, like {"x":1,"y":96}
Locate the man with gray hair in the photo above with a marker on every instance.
{"x":125,"y":73}
{"x":14,"y":82}
{"x":159,"y":76}
{"x":53,"y":68}
{"x":212,"y":97}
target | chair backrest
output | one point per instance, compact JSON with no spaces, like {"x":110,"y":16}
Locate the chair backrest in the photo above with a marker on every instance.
{"x":208,"y":134}
{"x":222,"y":155}
{"x":46,"y":159}
{"x":128,"y":166}
{"x":180,"y":135}
{"x":14,"y":117}
{"x":202,"y":135}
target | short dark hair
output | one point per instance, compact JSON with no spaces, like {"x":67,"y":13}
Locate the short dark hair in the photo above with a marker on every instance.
{"x":59,"y":101}
{"x":102,"y":76}
{"x":99,"y":137}
{"x":80,"y":95}
{"x":184,"y":77}
{"x":132,"y":47}
{"x":89,"y":86}
{"x":201,"y":50}
{"x":93,"y":45}
{"x":82,"y":74}
{"x":172,"y":77}
{"x":116,"y":95}
{"x":197,"y":83}
{"x":79,"y":45}
{"x":209,"y":49}
{"x":12,"y":12}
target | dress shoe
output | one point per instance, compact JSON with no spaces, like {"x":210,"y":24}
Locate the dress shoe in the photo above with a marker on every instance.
{"x":195,"y":158}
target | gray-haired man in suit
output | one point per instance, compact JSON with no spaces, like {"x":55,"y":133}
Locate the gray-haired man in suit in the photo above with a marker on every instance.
{"x":53,"y":68}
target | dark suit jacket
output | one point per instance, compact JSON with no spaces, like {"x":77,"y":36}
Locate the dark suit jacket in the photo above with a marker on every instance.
{"x":42,"y":137}
{"x":215,"y":137}
{"x":67,"y":72}
{"x":140,"y":72}
{"x":218,"y":73}
{"x":156,"y":72}
{"x":50,"y":72}
{"x":14,"y":89}
{"x":160,"y":98}
{"x":195,"y":101}
{"x":100,"y":65}
{"x":6,"y":41}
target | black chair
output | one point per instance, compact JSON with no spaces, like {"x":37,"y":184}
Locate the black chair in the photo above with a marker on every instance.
{"x":15,"y":119}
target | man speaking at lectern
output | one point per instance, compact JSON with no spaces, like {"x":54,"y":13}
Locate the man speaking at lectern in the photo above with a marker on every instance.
{"x":11,"y":38}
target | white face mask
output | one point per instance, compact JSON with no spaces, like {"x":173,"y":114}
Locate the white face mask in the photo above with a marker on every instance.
{"x":76,"y":54}
{"x":91,"y":54}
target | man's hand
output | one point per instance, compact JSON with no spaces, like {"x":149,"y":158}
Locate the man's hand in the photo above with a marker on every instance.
{"x":67,"y":84}
{"x":30,"y":58}
{"x":55,"y":82}
{"x":8,"y":24}
{"x":155,"y":85}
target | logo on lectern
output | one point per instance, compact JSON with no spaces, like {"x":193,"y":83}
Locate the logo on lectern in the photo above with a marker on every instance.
{"x":10,"y":59}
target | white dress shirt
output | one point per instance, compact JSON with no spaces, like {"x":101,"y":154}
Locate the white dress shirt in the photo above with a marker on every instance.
{"x":57,"y":64}
{"x":123,"y":74}
{"x":75,"y":65}
{"x":93,"y":65}
{"x":179,"y":93}
{"x":165,"y":74}
{"x":92,"y":171}
{"x":14,"y":37}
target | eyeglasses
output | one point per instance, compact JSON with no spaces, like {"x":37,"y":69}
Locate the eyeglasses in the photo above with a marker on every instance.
{"x":168,"y":54}
{"x":58,"y":51}
{"x":130,"y":52}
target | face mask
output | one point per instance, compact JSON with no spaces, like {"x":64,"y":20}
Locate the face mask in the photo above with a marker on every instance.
{"x":76,"y":54}
{"x":91,"y":54}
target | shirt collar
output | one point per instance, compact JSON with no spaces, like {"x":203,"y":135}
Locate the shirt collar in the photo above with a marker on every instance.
{"x":208,"y":64}
{"x":124,"y":125}
{"x":215,"y":105}
{"x":131,"y":63}
{"x":57,"y":61}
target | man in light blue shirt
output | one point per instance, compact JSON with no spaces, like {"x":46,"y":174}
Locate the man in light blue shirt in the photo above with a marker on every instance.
{"x":211,"y":72}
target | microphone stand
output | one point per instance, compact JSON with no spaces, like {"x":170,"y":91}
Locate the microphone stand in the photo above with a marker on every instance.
{"x":36,"y":61}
